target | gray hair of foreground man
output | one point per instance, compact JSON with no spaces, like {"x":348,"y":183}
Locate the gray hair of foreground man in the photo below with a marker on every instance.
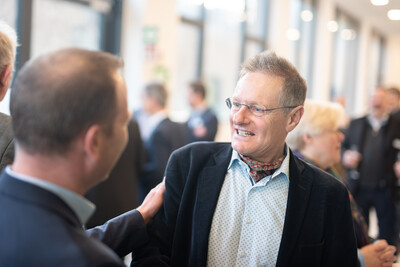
{"x":294,"y":87}
{"x":58,"y":96}
{"x":8,"y":45}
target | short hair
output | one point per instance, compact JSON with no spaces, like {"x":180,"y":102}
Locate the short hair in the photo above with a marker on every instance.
{"x":158,"y":92}
{"x":319,"y":116}
{"x":394,"y":91}
{"x":294,"y":86}
{"x":58,"y":96}
{"x":198,"y":88}
{"x":8,"y":45}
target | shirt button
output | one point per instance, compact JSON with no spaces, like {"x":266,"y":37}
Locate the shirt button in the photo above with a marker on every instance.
{"x":249,"y":221}
{"x":243,"y":255}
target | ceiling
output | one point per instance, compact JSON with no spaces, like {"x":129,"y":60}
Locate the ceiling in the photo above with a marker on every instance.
{"x":376,"y":16}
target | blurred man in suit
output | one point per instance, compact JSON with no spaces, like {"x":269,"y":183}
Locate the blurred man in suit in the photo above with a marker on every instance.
{"x":202,"y":124}
{"x":70,"y":115}
{"x":370,"y":151}
{"x":161,"y":136}
{"x":8,"y":46}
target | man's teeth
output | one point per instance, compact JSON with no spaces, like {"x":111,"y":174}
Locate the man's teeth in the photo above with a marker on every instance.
{"x":244,"y":133}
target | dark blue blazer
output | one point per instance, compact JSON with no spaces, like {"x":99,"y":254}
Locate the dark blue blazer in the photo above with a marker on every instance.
{"x":165,"y":138}
{"x":38,"y":229}
{"x":210,"y":121}
{"x":318,"y":228}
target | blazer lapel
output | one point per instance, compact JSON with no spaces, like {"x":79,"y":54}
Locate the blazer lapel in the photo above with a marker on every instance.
{"x":299,"y":193}
{"x":210,"y":183}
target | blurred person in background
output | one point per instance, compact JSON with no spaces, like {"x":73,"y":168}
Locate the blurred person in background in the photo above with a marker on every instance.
{"x":8,"y":49}
{"x":317,"y":140}
{"x":160,"y":135}
{"x":370,"y":151}
{"x":203,"y":123}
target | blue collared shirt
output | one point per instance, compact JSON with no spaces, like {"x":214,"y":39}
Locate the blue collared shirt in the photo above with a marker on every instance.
{"x":248,"y":221}
{"x":82,"y":207}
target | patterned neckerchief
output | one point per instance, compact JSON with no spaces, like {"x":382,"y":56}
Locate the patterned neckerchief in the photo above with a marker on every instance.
{"x":259,"y":170}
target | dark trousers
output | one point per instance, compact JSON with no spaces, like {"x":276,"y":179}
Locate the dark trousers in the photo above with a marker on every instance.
{"x":385,"y":211}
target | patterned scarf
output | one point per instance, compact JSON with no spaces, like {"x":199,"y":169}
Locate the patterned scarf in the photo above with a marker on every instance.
{"x":259,"y":170}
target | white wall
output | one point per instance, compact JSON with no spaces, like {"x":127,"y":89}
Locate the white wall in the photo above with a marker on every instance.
{"x":392,"y":77}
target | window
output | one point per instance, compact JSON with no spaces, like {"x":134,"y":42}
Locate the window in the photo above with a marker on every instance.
{"x":376,"y":69}
{"x":8,"y":12}
{"x":344,"y":70}
{"x":302,"y":37}
{"x":255,"y":28}
{"x":91,"y":24}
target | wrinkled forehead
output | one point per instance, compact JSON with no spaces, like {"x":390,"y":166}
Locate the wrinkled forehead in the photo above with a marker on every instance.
{"x":260,"y":88}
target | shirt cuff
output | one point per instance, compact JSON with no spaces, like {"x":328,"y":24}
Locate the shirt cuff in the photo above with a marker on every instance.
{"x":360,"y":258}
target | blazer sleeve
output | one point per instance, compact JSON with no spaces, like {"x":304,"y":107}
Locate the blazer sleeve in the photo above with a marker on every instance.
{"x":123,"y":234}
{"x":158,"y":251}
{"x":342,"y":248}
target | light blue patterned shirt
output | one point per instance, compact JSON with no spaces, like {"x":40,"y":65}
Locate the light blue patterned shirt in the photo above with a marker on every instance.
{"x":248,"y":221}
{"x":82,"y":207}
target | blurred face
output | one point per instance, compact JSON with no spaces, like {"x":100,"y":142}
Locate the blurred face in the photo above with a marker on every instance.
{"x":191,"y":97}
{"x":260,"y":138}
{"x":378,"y":105}
{"x":324,"y":148}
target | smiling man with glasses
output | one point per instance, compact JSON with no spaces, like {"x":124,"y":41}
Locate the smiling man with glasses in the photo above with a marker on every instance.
{"x":251,"y":202}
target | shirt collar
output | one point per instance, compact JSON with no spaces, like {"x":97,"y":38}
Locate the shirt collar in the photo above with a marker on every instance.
{"x":82,"y":207}
{"x":376,"y":123}
{"x":284,"y":168}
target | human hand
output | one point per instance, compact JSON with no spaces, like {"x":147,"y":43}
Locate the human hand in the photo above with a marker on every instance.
{"x":200,"y":131}
{"x":379,"y":254}
{"x":386,"y":252}
{"x":351,"y":159}
{"x":396,"y":168}
{"x":152,"y":203}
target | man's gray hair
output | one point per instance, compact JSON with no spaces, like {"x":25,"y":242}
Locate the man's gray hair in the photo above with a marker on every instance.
{"x":294,"y":86}
{"x":8,"y":45}
{"x":158,"y":92}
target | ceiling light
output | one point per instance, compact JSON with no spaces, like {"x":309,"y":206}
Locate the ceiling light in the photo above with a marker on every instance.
{"x":293,"y":34}
{"x":348,"y":34}
{"x":394,"y":14}
{"x":307,"y":15}
{"x":333,"y":26}
{"x":379,"y":2}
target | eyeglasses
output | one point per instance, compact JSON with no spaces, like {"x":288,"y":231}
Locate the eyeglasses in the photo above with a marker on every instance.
{"x":257,"y":110}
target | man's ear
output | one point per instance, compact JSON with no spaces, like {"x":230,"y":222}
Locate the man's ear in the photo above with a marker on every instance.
{"x":5,"y":78}
{"x":294,"y":118}
{"x":92,"y":142}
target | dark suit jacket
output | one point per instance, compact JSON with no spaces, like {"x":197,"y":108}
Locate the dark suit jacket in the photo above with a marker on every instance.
{"x":6,"y":141}
{"x":38,"y":229}
{"x":355,"y":135}
{"x":119,"y":192}
{"x":318,"y":228}
{"x":210,"y":121}
{"x":165,"y":138}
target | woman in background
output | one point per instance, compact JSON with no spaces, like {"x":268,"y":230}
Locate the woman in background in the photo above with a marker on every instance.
{"x":317,"y":140}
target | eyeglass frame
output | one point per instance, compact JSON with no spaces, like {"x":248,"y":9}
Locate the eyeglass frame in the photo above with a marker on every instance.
{"x":229,"y":103}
